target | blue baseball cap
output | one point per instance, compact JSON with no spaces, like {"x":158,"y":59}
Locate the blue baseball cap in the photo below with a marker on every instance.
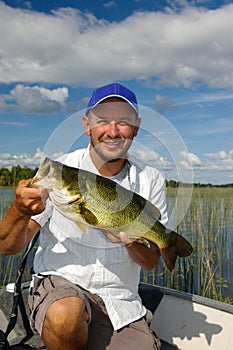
{"x":112,"y":90}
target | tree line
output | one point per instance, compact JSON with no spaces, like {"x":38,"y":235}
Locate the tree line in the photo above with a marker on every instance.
{"x":11,"y":177}
{"x":174,"y":183}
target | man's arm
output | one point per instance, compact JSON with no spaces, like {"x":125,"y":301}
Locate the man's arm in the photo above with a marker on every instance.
{"x":142,"y":255}
{"x":17,"y":228}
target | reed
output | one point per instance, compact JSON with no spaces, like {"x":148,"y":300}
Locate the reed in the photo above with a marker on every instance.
{"x":208,"y":225}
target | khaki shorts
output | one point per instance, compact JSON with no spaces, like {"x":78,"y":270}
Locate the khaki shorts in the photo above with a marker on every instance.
{"x":101,"y":335}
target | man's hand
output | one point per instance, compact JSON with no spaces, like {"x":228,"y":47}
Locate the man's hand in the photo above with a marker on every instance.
{"x":120,"y":238}
{"x":17,"y":228}
{"x":142,"y":255}
{"x":29,"y":200}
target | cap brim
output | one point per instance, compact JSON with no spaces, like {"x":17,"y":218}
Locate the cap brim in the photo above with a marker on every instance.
{"x":113,"y":95}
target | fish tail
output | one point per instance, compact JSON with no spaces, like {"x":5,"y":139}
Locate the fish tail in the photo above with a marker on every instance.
{"x":179,"y":247}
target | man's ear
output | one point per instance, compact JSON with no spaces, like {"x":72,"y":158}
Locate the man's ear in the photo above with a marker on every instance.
{"x":137,"y":126}
{"x":86,"y":125}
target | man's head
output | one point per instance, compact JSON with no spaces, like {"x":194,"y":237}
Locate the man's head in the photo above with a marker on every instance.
{"x":111,"y":121}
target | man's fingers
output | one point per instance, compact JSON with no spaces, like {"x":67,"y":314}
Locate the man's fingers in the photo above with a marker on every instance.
{"x":124,"y":238}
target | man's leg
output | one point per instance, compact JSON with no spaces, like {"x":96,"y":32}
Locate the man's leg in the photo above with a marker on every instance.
{"x":60,"y":313}
{"x":66,"y":315}
{"x":135,"y":336}
{"x":66,"y":325}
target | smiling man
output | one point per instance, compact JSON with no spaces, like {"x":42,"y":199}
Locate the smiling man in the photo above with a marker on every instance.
{"x":84,"y":294}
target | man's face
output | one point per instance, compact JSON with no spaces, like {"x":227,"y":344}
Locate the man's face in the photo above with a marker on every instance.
{"x":111,"y":125}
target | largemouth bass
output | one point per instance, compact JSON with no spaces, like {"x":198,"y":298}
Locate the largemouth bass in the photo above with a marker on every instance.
{"x":92,"y":200}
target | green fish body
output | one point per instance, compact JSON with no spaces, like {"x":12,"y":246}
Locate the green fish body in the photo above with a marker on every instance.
{"x":92,"y":200}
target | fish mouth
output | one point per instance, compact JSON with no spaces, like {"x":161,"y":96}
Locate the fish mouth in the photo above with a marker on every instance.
{"x":76,"y":200}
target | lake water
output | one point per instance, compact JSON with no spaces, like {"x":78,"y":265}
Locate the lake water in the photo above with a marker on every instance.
{"x":6,"y":196}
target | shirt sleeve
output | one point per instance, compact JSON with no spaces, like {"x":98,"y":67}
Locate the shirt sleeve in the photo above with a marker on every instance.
{"x":43,"y":217}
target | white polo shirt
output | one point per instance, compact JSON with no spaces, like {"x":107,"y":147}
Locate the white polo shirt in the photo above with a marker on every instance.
{"x":90,"y":259}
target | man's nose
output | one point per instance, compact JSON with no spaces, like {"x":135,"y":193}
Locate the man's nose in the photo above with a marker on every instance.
{"x":113,"y":130}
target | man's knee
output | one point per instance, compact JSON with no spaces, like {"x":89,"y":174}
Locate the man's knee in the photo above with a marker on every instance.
{"x":66,"y":317}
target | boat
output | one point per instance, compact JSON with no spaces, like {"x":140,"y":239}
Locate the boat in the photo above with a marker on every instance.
{"x":187,"y":321}
{"x":181,"y":320}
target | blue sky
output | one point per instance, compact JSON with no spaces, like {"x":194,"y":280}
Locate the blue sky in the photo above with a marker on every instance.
{"x":177,"y":56}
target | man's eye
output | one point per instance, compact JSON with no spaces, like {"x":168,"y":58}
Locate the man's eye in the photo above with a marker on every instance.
{"x":122,"y":122}
{"x":102,"y":122}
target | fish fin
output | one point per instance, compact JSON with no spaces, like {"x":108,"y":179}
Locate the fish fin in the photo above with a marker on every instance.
{"x":179,"y":247}
{"x":88,"y":216}
{"x":81,"y":226}
{"x":143,"y":241}
{"x":169,"y":256}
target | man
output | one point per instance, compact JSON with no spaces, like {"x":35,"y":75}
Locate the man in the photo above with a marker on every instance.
{"x":84,"y":291}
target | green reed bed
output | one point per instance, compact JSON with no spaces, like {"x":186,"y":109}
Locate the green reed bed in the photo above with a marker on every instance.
{"x":208,"y":225}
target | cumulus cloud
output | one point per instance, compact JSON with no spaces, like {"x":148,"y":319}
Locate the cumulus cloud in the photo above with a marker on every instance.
{"x":221,"y":155}
{"x":153,"y":158}
{"x":221,"y":160}
{"x":7,"y":159}
{"x":109,"y":4}
{"x":190,"y":160}
{"x":163,"y":103}
{"x":185,"y":47}
{"x":24,"y":159}
{"x":35,"y":99}
{"x":215,"y":163}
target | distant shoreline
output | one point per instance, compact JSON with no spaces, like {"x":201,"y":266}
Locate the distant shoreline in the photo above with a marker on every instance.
{"x":169,"y":183}
{"x":173,"y":183}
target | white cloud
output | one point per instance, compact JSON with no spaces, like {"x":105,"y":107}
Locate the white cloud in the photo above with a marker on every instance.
{"x":188,"y":47}
{"x":109,"y":4}
{"x":221,"y":161}
{"x":35,"y":99}
{"x":24,"y":159}
{"x":216,"y":168}
{"x":163,"y":103}
{"x":221,"y":155}
{"x":189,"y":159}
{"x":17,"y":124}
{"x":151,"y":157}
{"x":202,"y":98}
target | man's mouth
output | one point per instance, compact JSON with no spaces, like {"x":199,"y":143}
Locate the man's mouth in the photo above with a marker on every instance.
{"x":113,"y":143}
